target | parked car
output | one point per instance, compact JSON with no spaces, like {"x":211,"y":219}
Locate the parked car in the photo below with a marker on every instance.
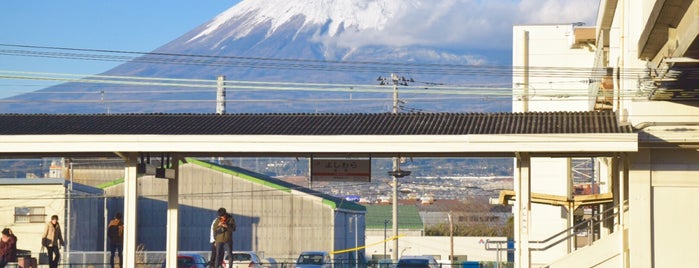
{"x":189,"y":260}
{"x":246,"y":259}
{"x":385,"y":263}
{"x":314,"y":259}
{"x":417,"y":262}
{"x":269,"y":263}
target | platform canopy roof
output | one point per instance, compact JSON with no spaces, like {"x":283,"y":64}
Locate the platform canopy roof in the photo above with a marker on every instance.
{"x":345,"y":135}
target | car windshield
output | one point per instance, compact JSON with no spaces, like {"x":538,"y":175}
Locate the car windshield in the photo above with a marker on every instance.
{"x":241,"y":257}
{"x":310,"y":259}
{"x":413,"y":263}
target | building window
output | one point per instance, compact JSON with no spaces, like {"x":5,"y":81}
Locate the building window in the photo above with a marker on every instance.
{"x":29,"y":214}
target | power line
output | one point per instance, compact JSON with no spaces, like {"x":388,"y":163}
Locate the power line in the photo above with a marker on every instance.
{"x":303,"y":64}
{"x":577,"y":76}
{"x":263,"y":86}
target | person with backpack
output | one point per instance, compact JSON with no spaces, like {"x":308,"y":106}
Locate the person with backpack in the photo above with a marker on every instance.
{"x":115,"y":233}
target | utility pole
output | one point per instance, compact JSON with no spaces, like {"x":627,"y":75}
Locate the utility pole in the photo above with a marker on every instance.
{"x":385,"y":223}
{"x":451,"y":237}
{"x":394,"y":78}
{"x":395,"y":172}
{"x":396,"y":167}
{"x":220,"y":100}
{"x":220,"y":94}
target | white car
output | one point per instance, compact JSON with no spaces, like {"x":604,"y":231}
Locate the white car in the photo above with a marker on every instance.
{"x":245,"y":259}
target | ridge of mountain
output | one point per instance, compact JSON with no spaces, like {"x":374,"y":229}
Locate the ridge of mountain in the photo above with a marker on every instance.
{"x":336,"y":16}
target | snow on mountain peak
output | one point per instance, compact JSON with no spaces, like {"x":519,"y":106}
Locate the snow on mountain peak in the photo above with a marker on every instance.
{"x":337,"y":14}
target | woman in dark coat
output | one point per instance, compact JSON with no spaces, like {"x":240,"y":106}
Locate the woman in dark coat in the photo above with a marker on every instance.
{"x":8,"y":247}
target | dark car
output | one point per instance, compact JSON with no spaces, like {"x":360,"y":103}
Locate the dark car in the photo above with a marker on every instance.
{"x":417,"y":262}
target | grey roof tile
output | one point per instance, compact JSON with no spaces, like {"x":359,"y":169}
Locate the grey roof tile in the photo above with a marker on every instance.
{"x":314,"y":124}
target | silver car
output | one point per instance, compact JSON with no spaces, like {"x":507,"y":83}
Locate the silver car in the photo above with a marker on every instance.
{"x":314,"y":259}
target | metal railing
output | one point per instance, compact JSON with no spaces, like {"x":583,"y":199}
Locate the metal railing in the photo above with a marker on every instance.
{"x":588,"y":226}
{"x":498,"y":248}
{"x":155,"y":259}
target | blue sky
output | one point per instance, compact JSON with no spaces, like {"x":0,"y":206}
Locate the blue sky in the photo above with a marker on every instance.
{"x":143,"y":25}
{"x":134,"y":25}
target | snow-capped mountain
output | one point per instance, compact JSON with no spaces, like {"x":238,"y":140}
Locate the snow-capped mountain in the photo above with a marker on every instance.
{"x":336,"y":16}
{"x":291,"y":41}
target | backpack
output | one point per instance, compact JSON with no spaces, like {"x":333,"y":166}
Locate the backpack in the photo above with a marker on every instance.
{"x":115,"y":232}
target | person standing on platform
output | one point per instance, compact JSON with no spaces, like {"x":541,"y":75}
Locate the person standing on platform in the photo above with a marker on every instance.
{"x":223,"y":230}
{"x":54,"y":240}
{"x":212,"y":240}
{"x":115,"y":233}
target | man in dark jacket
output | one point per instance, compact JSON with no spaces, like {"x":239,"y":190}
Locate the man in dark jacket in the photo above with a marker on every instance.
{"x":223,"y":236}
{"x":115,"y":233}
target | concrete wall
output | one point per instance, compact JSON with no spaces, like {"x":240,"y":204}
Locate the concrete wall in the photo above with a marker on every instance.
{"x":663,"y":197}
{"x":280,"y":223}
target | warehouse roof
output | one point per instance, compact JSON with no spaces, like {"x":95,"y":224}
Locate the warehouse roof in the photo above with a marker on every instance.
{"x":332,"y":201}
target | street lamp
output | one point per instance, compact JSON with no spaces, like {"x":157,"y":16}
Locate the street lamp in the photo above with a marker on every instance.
{"x":396,"y":173}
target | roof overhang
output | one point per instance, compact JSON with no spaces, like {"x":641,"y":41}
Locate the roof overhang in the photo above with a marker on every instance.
{"x":605,"y":14}
{"x":670,"y":135}
{"x":666,"y":17}
{"x":504,"y":145}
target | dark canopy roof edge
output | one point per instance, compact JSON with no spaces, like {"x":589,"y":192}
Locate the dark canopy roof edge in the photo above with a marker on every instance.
{"x":313,"y":124}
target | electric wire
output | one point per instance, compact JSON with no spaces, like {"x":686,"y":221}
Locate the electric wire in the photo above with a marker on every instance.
{"x":303,"y":64}
{"x":578,"y":76}
{"x":264,"y":86}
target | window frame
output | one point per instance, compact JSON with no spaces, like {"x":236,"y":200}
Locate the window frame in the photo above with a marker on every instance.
{"x":35,"y":214}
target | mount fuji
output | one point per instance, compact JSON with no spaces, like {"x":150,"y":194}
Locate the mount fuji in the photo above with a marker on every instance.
{"x":302,"y":41}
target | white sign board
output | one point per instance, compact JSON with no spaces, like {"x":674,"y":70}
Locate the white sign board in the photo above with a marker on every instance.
{"x":357,"y":170}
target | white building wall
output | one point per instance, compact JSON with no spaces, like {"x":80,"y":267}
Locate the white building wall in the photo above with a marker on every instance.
{"x":675,"y":198}
{"x":663,"y":190}
{"x":557,"y":82}
{"x":623,"y":52}
{"x":51,"y":197}
{"x":557,"y":72}
{"x":549,"y":176}
{"x":438,"y":246}
{"x":83,"y":232}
